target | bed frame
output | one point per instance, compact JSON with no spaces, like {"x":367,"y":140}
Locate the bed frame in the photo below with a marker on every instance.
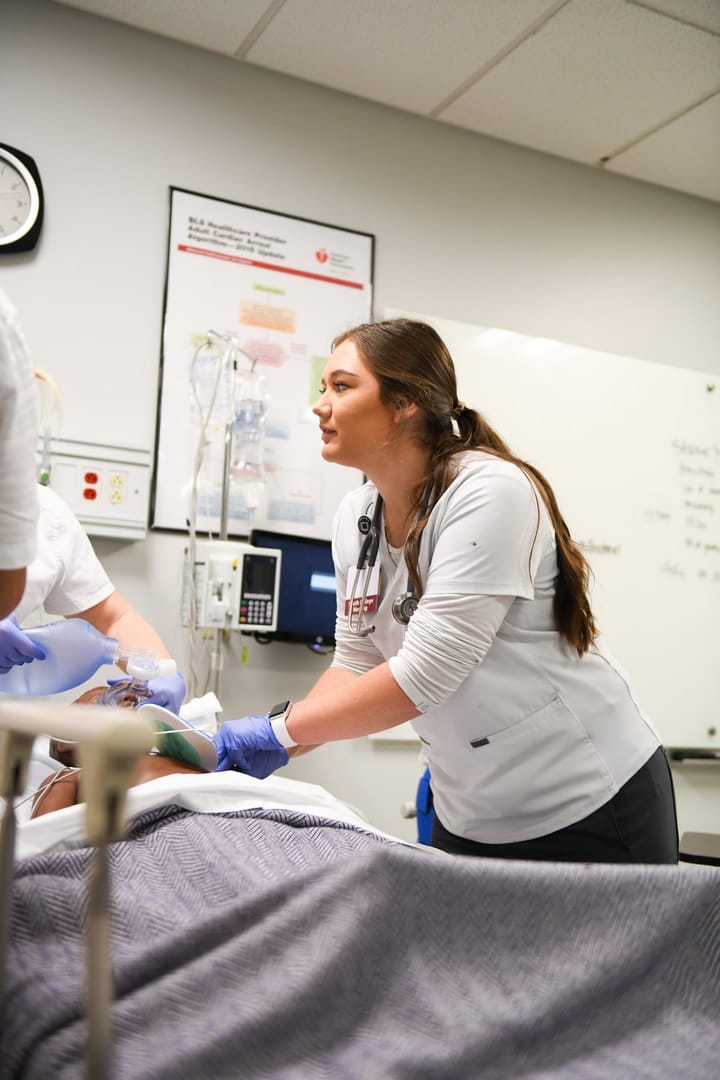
{"x":110,"y":744}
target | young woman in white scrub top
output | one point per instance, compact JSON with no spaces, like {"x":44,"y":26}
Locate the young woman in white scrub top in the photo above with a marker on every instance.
{"x":66,"y":578}
{"x":474,"y":623}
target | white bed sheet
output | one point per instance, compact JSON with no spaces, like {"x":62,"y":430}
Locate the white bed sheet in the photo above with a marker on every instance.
{"x":207,"y":793}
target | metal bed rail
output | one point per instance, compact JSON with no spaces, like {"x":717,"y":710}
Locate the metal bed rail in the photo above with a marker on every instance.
{"x":111,"y":741}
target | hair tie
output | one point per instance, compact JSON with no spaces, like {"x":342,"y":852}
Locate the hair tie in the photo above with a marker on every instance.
{"x":460,"y":407}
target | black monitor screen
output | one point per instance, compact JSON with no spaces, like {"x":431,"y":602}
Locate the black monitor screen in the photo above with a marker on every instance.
{"x":307,"y":605}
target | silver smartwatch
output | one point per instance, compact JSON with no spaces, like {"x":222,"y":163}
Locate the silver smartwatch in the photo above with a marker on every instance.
{"x":277,"y":716}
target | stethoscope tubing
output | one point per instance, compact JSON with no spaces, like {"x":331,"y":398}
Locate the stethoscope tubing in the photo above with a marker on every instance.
{"x":403,"y":606}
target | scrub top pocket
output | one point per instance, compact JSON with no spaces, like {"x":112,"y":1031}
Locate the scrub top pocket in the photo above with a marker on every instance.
{"x":517,"y":773}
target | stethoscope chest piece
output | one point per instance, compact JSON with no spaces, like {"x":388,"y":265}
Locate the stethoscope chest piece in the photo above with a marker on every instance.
{"x":404,"y":607}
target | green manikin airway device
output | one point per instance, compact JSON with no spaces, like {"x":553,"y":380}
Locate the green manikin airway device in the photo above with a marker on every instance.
{"x":178,"y":738}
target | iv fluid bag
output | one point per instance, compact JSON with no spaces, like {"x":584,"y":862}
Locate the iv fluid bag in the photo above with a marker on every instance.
{"x":211,"y":384}
{"x":247,"y":469}
{"x":227,"y":402}
{"x":211,"y":410}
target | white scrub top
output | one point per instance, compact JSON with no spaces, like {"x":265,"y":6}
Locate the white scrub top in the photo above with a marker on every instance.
{"x":66,"y":576}
{"x":18,"y":438}
{"x":534,"y":738}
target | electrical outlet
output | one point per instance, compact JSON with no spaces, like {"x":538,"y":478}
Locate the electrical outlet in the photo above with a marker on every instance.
{"x":107,"y":487}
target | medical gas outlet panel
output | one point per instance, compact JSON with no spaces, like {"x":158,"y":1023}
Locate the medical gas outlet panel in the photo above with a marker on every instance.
{"x":235,"y":586}
{"x":107,"y":487}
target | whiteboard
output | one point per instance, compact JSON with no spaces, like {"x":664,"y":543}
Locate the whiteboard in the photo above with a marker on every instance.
{"x":632,"y":451}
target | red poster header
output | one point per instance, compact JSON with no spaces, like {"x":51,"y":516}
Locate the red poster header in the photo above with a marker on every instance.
{"x":268,"y":266}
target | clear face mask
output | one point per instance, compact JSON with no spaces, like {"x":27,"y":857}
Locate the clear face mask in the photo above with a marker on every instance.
{"x":142,"y":666}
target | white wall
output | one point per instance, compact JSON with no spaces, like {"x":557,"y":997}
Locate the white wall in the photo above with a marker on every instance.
{"x":466,"y":227}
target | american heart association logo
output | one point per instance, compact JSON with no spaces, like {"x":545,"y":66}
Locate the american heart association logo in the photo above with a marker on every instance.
{"x":321,"y":255}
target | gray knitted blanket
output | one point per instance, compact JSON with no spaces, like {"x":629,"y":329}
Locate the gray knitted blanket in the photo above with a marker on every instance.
{"x":266,"y":944}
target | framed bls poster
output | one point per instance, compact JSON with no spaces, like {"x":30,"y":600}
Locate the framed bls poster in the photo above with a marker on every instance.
{"x":253,"y":301}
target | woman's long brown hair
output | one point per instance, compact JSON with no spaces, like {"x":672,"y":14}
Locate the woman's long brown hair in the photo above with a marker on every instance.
{"x":411,"y":361}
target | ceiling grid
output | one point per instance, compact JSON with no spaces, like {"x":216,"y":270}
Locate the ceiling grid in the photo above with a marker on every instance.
{"x":630,"y":86}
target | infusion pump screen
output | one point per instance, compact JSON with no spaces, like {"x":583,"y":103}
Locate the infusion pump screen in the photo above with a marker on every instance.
{"x":257,"y":590}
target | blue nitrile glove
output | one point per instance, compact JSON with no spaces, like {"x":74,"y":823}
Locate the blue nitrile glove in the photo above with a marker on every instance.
{"x":169,"y":692}
{"x":249,"y":746}
{"x":15,"y":646}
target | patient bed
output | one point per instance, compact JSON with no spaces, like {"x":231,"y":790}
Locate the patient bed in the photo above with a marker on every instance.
{"x":261,"y":929}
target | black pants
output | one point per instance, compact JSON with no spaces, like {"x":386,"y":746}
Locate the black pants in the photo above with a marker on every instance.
{"x":638,"y":825}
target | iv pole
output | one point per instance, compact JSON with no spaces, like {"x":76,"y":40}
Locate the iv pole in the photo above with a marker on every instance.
{"x":229,"y":359}
{"x":216,"y":659}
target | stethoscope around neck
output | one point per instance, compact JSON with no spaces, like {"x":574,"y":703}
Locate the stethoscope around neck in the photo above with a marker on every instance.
{"x":403,"y":606}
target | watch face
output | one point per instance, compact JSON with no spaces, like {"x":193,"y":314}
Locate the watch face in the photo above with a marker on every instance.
{"x":20,"y":202}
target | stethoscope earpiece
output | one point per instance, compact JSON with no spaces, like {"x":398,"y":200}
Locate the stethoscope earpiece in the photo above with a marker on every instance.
{"x":364,"y":524}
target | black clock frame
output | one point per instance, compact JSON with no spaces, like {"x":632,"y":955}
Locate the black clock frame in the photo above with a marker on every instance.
{"x":27,"y":239}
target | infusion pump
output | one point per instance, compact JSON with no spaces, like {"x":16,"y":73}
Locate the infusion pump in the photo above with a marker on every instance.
{"x":236,"y":586}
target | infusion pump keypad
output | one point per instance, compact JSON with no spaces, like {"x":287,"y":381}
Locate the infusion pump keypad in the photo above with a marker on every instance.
{"x":259,"y":582}
{"x":256,"y":609}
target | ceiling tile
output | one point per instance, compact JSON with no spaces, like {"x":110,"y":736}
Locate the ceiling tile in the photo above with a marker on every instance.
{"x":704,"y":13}
{"x":218,"y":25}
{"x":598,"y":75}
{"x":408,"y":53}
{"x":576,"y":78}
{"x":685,"y":155}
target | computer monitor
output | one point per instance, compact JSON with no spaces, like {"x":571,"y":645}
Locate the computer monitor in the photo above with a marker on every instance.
{"x":307,"y":604}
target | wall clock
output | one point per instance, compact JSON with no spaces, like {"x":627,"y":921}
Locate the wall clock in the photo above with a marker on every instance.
{"x":21,"y":201}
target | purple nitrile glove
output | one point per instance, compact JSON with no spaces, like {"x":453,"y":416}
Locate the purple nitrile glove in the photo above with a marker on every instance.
{"x":15,"y":646}
{"x":169,"y":691}
{"x":249,"y":746}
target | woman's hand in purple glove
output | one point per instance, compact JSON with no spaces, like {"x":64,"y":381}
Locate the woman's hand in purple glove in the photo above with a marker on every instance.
{"x":15,"y":646}
{"x":249,"y":746}
{"x":168,"y":691}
